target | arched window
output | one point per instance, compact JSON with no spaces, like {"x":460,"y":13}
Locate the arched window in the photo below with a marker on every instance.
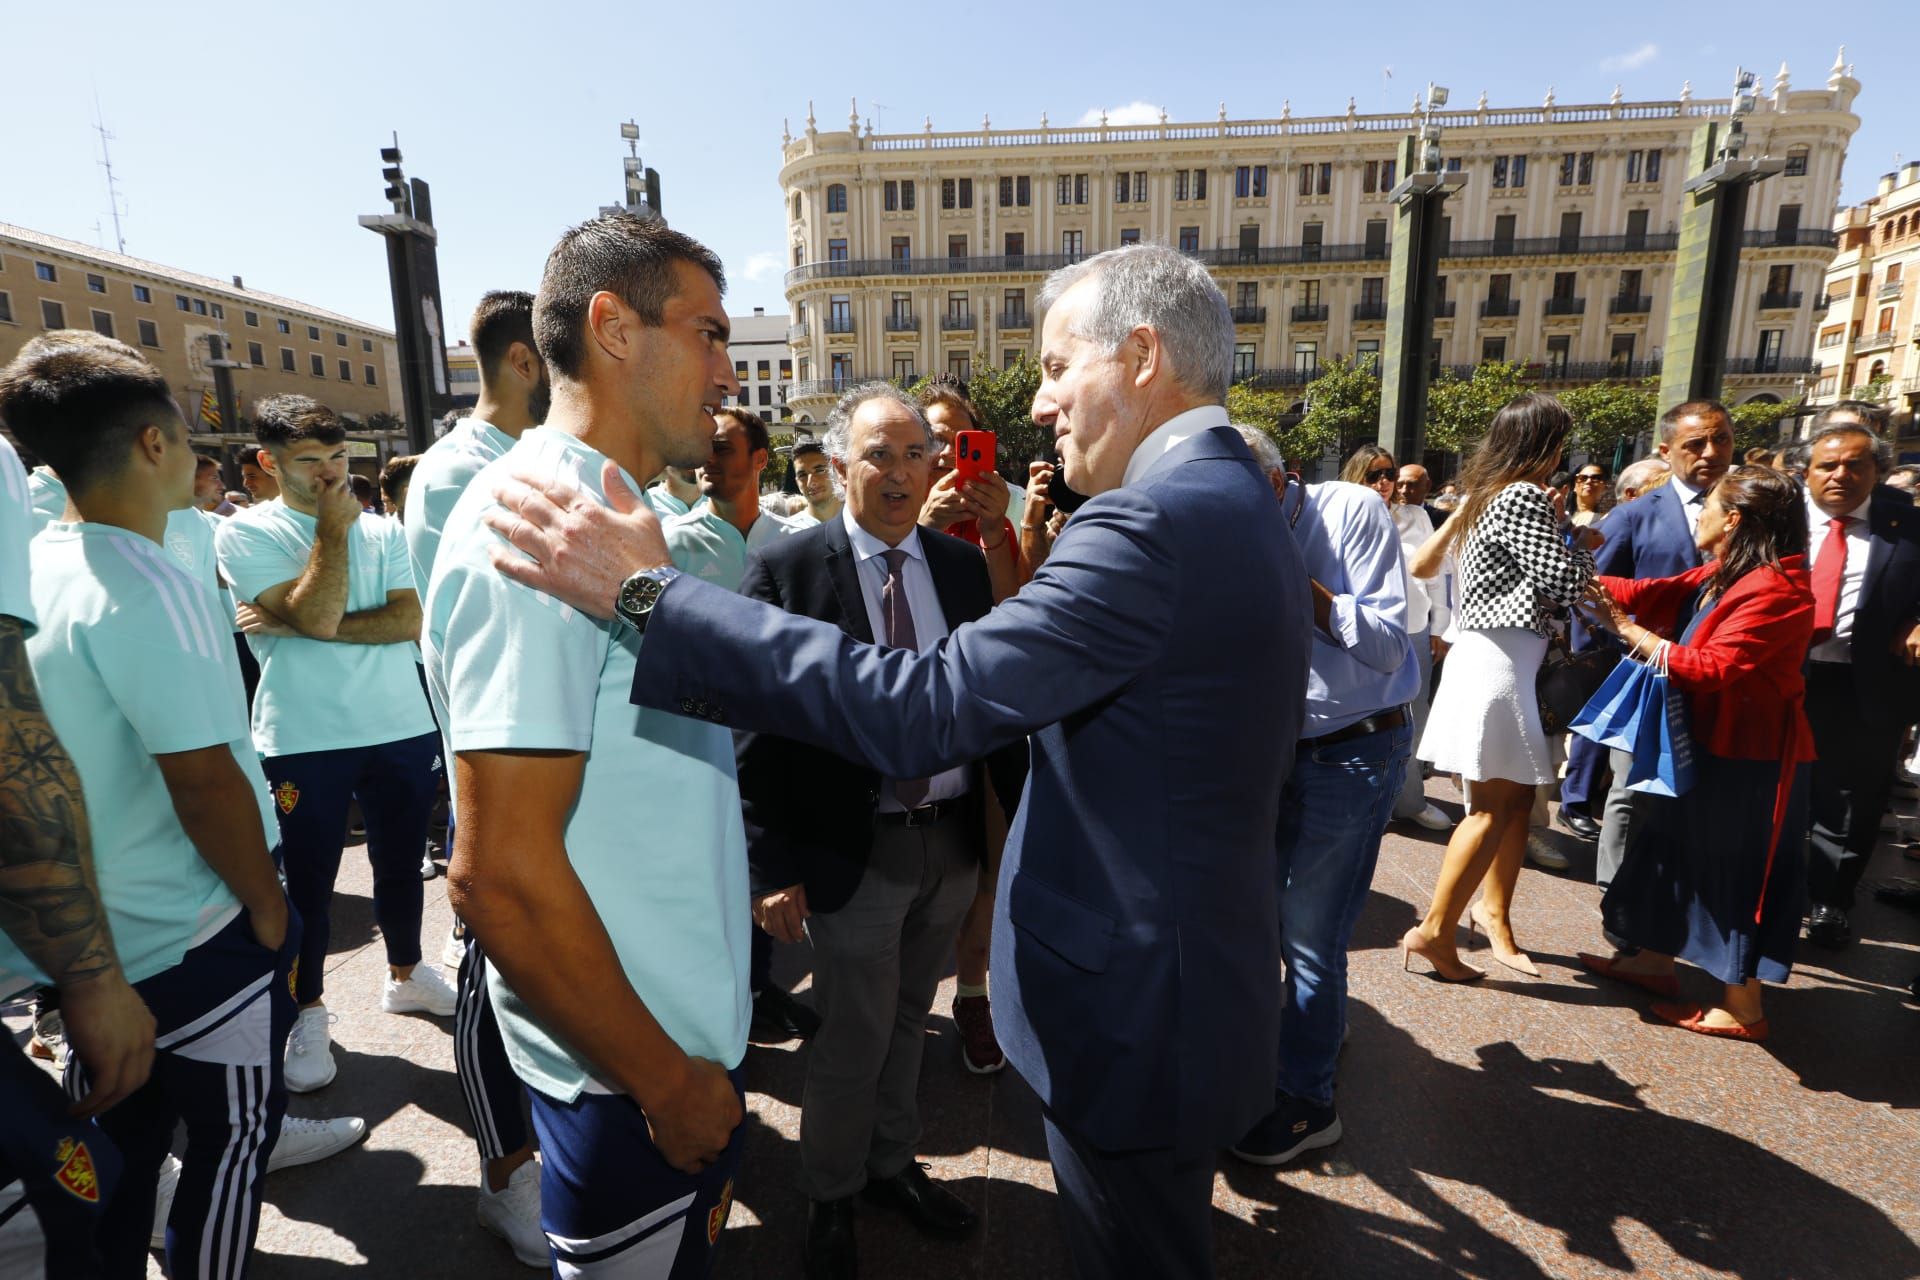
{"x":836,"y":198}
{"x":1878,"y":370}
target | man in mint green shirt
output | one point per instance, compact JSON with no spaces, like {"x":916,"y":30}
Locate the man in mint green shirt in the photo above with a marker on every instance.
{"x":729,"y":525}
{"x":141,"y":683}
{"x":327,"y":597}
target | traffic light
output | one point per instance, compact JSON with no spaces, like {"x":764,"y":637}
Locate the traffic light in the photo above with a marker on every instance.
{"x":395,"y":179}
{"x":653,"y":192}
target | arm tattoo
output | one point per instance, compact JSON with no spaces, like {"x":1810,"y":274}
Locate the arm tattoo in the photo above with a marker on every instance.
{"x":49,"y":902}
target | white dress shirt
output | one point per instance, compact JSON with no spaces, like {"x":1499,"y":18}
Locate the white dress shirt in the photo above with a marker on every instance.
{"x":1691,"y":502}
{"x":1426,"y":606}
{"x":1839,"y":646}
{"x":1169,"y":436}
{"x":929,"y":626}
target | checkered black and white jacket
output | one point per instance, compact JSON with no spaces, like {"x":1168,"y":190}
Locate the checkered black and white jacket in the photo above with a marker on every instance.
{"x":1516,"y":567}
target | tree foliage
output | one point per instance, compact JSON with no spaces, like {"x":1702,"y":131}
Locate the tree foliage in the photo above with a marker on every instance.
{"x":1756,"y":424}
{"x":1607,"y":413}
{"x":1272,"y":413}
{"x":1343,"y":405}
{"x":1459,"y":410}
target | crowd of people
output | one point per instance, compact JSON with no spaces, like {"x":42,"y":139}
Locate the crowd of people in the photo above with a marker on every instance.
{"x":911,"y":714}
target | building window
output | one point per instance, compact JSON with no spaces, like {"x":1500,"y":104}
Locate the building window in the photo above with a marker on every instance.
{"x":1643,"y":166}
{"x":366,"y":344}
{"x":44,"y":271}
{"x":256,"y":354}
{"x":1244,"y":357}
{"x":836,"y":250}
{"x":1073,"y":243}
{"x":219,"y":312}
{"x":1129,"y":235}
{"x":317,"y":365}
{"x":1189,"y":239}
{"x":181,"y":302}
{"x":252,"y":318}
{"x":890,"y":196}
{"x":959,"y":310}
{"x":1071,"y":188}
{"x":786,"y":371}
{"x":836,"y":198}
{"x":1492,"y":349}
{"x":52,"y":315}
{"x":1079,"y":188}
{"x":740,"y":371}
{"x":1796,"y":161}
{"x":103,"y":323}
{"x":903,"y":248}
{"x":1510,"y":172}
{"x":1620,"y":352}
{"x":1379,"y":175}
{"x":346,"y":371}
{"x":1306,"y":357}
{"x":840,"y":313}
{"x":1013,"y":305}
{"x":199,"y":306}
{"x":1316,"y":179}
{"x":339,"y":339}
{"x":96,"y":284}
{"x":1006,"y":193}
{"x":960,"y":365}
{"x":763,"y":370}
{"x":1373,"y":291}
{"x":1559,"y":351}
{"x":149,"y":333}
{"x":956,"y":247}
{"x":1016,"y":244}
{"x":1366,"y":352}
{"x":282,"y":326}
{"x":1309,"y":293}
{"x":1576,"y":169}
{"x":1250,"y":182}
{"x":903,"y":366}
{"x":142,"y":294}
{"x":956,"y":193}
{"x":6,"y":307}
{"x":1181,"y":185}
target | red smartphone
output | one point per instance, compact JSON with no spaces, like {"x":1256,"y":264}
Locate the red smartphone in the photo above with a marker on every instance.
{"x":973,"y":454}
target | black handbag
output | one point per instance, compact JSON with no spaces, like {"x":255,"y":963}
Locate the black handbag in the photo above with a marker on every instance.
{"x":1568,"y":681}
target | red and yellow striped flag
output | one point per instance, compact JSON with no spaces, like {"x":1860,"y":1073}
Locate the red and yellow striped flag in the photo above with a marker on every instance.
{"x":210,"y":409}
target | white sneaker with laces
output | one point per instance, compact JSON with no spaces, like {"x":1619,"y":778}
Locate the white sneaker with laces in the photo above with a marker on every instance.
{"x":454,"y":951}
{"x":310,"y":1063}
{"x":428,"y":867}
{"x":303,"y":1141}
{"x":1542,"y":854}
{"x":163,"y":1200}
{"x":1432,"y":817}
{"x":514,"y":1214}
{"x":423,"y":991}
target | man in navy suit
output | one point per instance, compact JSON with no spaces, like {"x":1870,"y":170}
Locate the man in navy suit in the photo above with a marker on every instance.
{"x":1652,"y":537}
{"x":1159,"y":661}
{"x":1862,"y":688}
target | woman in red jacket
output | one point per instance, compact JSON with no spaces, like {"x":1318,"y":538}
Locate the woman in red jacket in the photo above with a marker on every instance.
{"x":1715,"y":876}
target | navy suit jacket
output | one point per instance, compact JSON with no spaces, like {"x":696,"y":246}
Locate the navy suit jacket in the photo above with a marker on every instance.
{"x":808,"y":812}
{"x":1887,"y":689}
{"x":1159,"y":659}
{"x":1645,"y":538}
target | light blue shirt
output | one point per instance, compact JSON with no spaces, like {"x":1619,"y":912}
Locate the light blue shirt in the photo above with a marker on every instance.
{"x":655,"y":834}
{"x":189,"y":534}
{"x":324,"y":695}
{"x":714,"y":549}
{"x":439,"y":478}
{"x":133,"y":660}
{"x":664,"y":504}
{"x":16,"y":531}
{"x":1363,"y":663}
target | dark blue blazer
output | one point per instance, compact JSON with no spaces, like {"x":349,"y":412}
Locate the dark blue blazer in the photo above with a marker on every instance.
{"x":1887,"y":690}
{"x":1645,"y":538}
{"x":1159,"y":659}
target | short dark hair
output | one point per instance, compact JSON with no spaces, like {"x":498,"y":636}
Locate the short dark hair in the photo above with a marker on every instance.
{"x":808,"y":444}
{"x":362,"y":488}
{"x":504,"y":317}
{"x":78,"y":400}
{"x":397,"y":473}
{"x":1560,"y":480}
{"x":619,"y":253}
{"x":280,"y":421}
{"x":1693,"y":409}
{"x":750,"y":422}
{"x":1873,"y":415}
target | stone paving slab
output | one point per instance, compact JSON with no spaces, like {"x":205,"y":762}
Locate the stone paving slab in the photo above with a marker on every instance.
{"x":1512,"y":1130}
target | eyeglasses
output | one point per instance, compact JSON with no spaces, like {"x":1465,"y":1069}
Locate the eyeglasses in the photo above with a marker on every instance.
{"x":1375,"y":477}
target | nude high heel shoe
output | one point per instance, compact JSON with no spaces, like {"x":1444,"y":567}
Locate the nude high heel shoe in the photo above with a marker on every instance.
{"x":1413,"y":943}
{"x":1518,"y":961}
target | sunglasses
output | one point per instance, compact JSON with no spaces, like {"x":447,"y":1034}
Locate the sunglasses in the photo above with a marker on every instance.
{"x":1375,"y":477}
{"x":1589,"y":479}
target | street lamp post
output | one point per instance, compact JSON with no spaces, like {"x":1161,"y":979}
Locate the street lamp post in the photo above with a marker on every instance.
{"x":413,"y":271}
{"x":1413,"y":283}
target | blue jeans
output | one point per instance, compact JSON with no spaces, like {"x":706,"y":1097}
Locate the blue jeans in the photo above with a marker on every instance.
{"x":1332,"y":814}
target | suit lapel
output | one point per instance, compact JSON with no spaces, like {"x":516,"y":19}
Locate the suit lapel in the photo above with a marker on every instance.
{"x":946,"y":585}
{"x":1883,"y":523}
{"x":844,"y":571}
{"x":1674,"y":512}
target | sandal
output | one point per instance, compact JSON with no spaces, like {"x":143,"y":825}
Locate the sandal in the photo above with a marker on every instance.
{"x":1691,"y":1017}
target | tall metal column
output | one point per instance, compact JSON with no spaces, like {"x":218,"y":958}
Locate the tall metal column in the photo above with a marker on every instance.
{"x":1413,"y":285}
{"x":419,"y":321}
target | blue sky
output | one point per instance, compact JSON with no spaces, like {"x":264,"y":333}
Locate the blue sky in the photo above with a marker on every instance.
{"x":512,"y":111}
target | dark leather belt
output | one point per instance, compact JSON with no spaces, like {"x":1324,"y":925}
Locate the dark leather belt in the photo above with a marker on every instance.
{"x":925,"y":816}
{"x":1379,"y":722}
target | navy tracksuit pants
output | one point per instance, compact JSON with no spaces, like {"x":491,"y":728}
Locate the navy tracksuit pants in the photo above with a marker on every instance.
{"x":58,"y":1175}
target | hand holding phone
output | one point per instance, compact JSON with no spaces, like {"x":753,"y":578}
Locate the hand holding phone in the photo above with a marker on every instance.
{"x":974,"y":453}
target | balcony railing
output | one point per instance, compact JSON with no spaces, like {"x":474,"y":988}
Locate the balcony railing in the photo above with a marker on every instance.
{"x":1249,"y":315}
{"x":957,"y":322}
{"x":1804,"y":237}
{"x":1822,"y":302}
{"x":1310,"y":313}
{"x":1445,"y":310}
{"x":1781,"y":301}
{"x":854,"y":267}
{"x":1597,"y":370}
{"x":1369,"y":311}
{"x":1566,"y":306}
{"x":1267,"y":379}
{"x":1789,"y":365}
{"x":796,"y":333}
{"x":1891,"y":290}
{"x":1500,"y":307}
{"x":1631,"y":304}
{"x":839,"y":324}
{"x":1880,"y":341}
{"x":834,"y":386}
{"x":900,"y":322}
{"x":1555,"y":246}
{"x":1016,"y":320}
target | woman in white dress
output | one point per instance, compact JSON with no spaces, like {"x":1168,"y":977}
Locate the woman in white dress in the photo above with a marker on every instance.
{"x":1515,"y":565}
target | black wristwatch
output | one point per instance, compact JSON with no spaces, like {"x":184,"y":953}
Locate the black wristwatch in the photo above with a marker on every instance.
{"x":640,"y":593}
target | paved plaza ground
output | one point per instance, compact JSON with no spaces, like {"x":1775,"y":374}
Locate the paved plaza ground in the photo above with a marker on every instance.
{"x":1517,"y":1128}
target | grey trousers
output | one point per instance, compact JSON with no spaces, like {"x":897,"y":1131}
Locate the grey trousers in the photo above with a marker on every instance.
{"x":1413,"y":788}
{"x":877,"y":962}
{"x":1614,"y":821}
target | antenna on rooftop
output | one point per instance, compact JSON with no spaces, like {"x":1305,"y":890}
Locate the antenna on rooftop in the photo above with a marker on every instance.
{"x":880,"y":116}
{"x":106,"y":162}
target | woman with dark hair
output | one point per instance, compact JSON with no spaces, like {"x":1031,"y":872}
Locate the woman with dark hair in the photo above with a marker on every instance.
{"x":1373,"y":467}
{"x":1713,"y":877}
{"x":1515,"y":567}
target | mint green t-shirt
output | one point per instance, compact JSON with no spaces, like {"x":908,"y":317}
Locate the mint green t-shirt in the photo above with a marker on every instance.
{"x":133,"y":660}
{"x":655,"y":834}
{"x":439,"y":478}
{"x":664,"y":504}
{"x":189,"y":533}
{"x":16,"y":531}
{"x":714,"y":549}
{"x":325,"y":695}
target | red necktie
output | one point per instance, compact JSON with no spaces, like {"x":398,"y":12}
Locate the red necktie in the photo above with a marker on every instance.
{"x":1828,"y":571}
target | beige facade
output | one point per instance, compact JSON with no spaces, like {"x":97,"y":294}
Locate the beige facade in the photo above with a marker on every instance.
{"x":763,"y":364}
{"x":1872,"y":325}
{"x":917,"y":253}
{"x":168,"y":315}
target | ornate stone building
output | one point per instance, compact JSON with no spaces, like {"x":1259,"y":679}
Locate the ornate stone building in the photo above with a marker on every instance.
{"x":1871,"y":327}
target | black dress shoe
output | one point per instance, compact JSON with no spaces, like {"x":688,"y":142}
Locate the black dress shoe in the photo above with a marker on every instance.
{"x":778,"y":1017}
{"x":1828,"y":927}
{"x":830,"y":1253}
{"x":929,"y":1206}
{"x":1580,"y":824}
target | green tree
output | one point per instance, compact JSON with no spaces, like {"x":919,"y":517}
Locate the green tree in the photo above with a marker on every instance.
{"x":1874,"y":390}
{"x":1272,"y":413}
{"x":1343,"y":405}
{"x":385,"y":422}
{"x":1607,"y":413}
{"x":1459,"y":410}
{"x":1756,"y":424}
{"x":1004,"y":398}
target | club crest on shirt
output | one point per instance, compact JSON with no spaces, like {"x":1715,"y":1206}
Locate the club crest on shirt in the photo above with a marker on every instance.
{"x":717,"y":1218}
{"x":286,"y":795}
{"x":76,"y":1172}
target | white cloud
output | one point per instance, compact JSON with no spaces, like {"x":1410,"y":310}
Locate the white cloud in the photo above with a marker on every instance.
{"x":760,"y":266}
{"x":1135,"y":112}
{"x":1633,"y":60}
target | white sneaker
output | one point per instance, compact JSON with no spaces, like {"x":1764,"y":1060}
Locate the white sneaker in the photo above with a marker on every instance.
{"x":1542,"y":854}
{"x":310,"y":1063}
{"x":424,"y":991}
{"x":454,"y":951}
{"x":428,"y":867}
{"x":304,"y":1141}
{"x":163,"y":1201}
{"x":1432,"y":817}
{"x":514,"y":1214}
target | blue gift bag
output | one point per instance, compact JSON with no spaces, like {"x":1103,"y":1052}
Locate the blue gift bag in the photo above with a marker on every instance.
{"x":1663,"y":751}
{"x":1612,"y":716}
